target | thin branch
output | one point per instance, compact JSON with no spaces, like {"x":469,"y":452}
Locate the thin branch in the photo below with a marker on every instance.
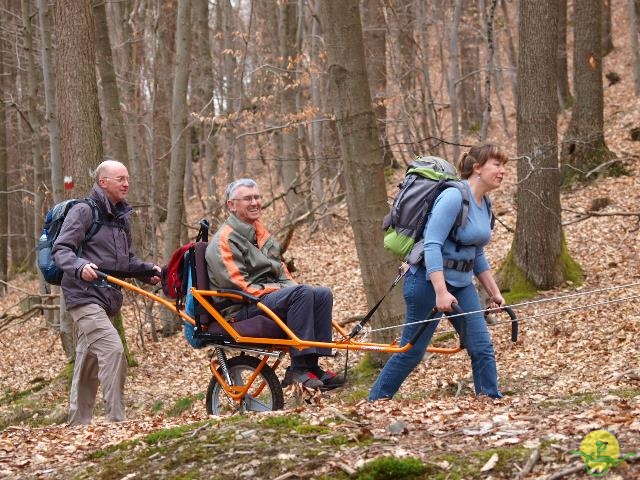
{"x":566,"y":471}
{"x":531,"y":461}
{"x":587,"y":215}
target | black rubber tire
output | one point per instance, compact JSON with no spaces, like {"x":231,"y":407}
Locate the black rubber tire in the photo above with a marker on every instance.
{"x":241,"y":367}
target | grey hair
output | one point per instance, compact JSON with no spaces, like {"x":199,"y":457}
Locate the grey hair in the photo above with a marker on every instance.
{"x":241,"y":182}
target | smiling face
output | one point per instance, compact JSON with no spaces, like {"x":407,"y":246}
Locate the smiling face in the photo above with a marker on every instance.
{"x":246,"y":204}
{"x":491,"y":173}
{"x":114,"y":180}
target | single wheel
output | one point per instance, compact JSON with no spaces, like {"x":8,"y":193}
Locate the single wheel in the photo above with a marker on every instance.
{"x":264,"y":395}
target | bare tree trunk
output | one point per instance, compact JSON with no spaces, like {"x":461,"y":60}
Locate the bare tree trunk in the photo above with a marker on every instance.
{"x":434,"y":129}
{"x":584,"y":149}
{"x":115,"y":136}
{"x":607,"y":37}
{"x":204,"y":87}
{"x":34,"y":125}
{"x":4,"y":196}
{"x":511,"y":49}
{"x":486,"y":113}
{"x":163,"y":80}
{"x":287,"y":21}
{"x":564,"y":93}
{"x":366,"y":192}
{"x":317,"y":102}
{"x":539,"y":253}
{"x":77,"y":102}
{"x":179,"y":138}
{"x":401,"y":22}
{"x":76,"y":91}
{"x":224,"y":33}
{"x":454,"y":68}
{"x":633,"y":31}
{"x":125,"y":48}
{"x":469,"y":85}
{"x":179,"y":135}
{"x":375,"y":48}
{"x":50,"y":100}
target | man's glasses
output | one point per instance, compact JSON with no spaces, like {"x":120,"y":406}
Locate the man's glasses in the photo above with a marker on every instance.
{"x":120,"y":180}
{"x":248,"y":198}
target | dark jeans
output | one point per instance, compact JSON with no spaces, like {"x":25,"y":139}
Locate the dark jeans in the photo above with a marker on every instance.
{"x":305,"y":309}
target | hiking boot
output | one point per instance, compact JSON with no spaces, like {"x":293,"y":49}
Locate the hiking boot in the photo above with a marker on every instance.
{"x":304,"y":377}
{"x":330,"y":380}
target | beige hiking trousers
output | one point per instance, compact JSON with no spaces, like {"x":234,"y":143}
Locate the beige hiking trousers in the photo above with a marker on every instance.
{"x":99,"y":359}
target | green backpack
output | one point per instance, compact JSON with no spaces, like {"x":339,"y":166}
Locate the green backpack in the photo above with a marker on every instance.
{"x":425,"y":179}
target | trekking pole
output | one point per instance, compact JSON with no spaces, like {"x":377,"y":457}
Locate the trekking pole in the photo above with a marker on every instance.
{"x":402,"y":271}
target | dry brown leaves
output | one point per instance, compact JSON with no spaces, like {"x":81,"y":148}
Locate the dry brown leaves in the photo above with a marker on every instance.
{"x":568,"y":347}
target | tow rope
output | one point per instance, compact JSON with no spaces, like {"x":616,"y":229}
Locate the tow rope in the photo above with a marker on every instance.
{"x":533,"y":302}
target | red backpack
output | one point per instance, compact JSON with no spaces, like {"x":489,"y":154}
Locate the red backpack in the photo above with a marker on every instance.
{"x":173,"y":273}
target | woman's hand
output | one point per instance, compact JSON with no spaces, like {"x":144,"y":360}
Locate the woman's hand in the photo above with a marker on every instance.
{"x":496,"y":301}
{"x":444,"y":301}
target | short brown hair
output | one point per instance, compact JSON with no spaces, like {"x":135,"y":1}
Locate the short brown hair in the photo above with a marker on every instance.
{"x":479,"y":155}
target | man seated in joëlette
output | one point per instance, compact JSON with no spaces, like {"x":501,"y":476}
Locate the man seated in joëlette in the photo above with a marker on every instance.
{"x":243,"y":255}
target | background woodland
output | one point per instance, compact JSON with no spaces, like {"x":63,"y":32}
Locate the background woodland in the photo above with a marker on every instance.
{"x":324,"y":103}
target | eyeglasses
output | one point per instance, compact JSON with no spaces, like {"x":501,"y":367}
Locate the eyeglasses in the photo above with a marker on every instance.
{"x":120,"y":180}
{"x":248,"y":198}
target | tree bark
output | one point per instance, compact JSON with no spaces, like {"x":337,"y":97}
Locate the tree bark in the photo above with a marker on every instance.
{"x":470,"y":98}
{"x":634,"y":14}
{"x":453,"y":79}
{"x":564,"y":92}
{"x":584,"y":147}
{"x":179,"y":136}
{"x":76,"y":92}
{"x":486,"y":112}
{"x":361,"y":154}
{"x":375,"y":48}
{"x":34,"y":125}
{"x":291,"y":178}
{"x":50,"y":101}
{"x":163,"y":81}
{"x":179,"y":139}
{"x":4,"y":197}
{"x":607,"y":37}
{"x":77,"y":102}
{"x":204,"y":87}
{"x":539,"y":254}
{"x":510,"y":48}
{"x":429,"y":110}
{"x":115,"y":135}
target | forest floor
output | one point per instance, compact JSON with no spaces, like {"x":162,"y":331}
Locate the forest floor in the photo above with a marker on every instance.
{"x":574,"y":370}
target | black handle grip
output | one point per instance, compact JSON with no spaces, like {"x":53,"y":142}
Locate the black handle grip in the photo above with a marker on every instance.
{"x":514,"y":323}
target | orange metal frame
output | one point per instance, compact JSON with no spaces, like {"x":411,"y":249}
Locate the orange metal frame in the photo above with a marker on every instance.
{"x":271,"y":345}
{"x":344,"y":342}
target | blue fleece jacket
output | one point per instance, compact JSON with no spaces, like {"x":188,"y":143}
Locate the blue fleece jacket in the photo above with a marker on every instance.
{"x":471,"y":237}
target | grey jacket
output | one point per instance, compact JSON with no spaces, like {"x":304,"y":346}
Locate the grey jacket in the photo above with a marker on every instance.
{"x":109,"y":248}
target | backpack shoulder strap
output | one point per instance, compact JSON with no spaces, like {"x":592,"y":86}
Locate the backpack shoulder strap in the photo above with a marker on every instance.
{"x":492,"y":215}
{"x":95,"y":223}
{"x":463,"y":213}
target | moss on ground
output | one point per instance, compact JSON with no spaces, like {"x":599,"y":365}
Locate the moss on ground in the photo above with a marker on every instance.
{"x":517,"y":287}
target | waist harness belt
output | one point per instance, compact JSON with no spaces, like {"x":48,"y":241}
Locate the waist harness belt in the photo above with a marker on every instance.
{"x":460,"y":265}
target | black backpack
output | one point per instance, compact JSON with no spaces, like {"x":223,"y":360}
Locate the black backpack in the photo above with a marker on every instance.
{"x":52,"y":226}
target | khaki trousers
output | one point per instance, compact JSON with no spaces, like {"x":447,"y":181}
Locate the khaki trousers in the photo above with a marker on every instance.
{"x":99,"y":359}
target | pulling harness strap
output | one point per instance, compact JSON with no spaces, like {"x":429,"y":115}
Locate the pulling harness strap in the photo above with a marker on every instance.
{"x":460,"y":265}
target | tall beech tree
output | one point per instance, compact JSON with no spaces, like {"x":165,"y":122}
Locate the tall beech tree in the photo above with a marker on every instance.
{"x":539,"y":257}
{"x":362,"y":157}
